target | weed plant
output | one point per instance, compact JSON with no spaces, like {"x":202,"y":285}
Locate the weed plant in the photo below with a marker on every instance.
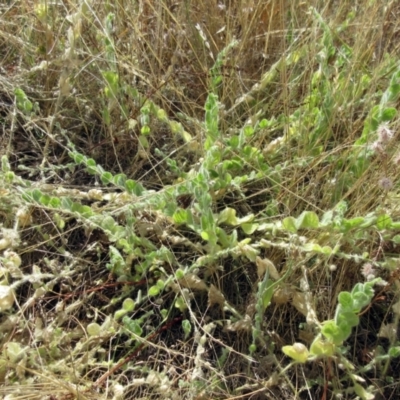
{"x":199,"y":200}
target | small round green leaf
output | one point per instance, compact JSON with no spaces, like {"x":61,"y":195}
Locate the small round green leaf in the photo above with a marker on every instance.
{"x":154,"y":291}
{"x":128,"y":305}
{"x":93,"y":329}
{"x":297,"y":352}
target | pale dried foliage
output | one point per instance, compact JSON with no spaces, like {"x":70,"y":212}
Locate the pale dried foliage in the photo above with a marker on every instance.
{"x":165,"y":50}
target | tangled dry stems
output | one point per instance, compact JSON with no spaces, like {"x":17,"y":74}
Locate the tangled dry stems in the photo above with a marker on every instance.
{"x":165,"y":51}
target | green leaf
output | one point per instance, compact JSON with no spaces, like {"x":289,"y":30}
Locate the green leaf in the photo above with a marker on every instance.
{"x":320,"y":347}
{"x":267,"y":296}
{"x":307,"y":220}
{"x":154,"y":291}
{"x":327,"y":250}
{"x":99,"y":170}
{"x":111,"y":77}
{"x":132,"y":325}
{"x":246,"y":219}
{"x":248,"y":229}
{"x":145,"y":130}
{"x":105,"y":113}
{"x":349,"y":224}
{"x":76,"y":207}
{"x":180,"y":303}
{"x":23,"y":103}
{"x":360,"y":301}
{"x":119,"y":180}
{"x":394,"y":351}
{"x":205,"y":236}
{"x":106,"y":178}
{"x":265,"y":292}
{"x":119,"y":314}
{"x":362,"y":393}
{"x":228,"y":216}
{"x":180,"y":216}
{"x":396,"y":239}
{"x":161,"y":114}
{"x":66,"y":203}
{"x":45,"y":200}
{"x":327,"y":218}
{"x":117,"y":263}
{"x":227,"y":241}
{"x":186,"y":136}
{"x":12,"y":351}
{"x":248,"y":131}
{"x":86,"y":211}
{"x":361,"y":288}
{"x":90,"y":162}
{"x":333,"y":332}
{"x":289,"y":224}
{"x":387,"y":114}
{"x":368,"y":221}
{"x":77,"y":157}
{"x":176,"y":127}
{"x":128,"y":305}
{"x":36,"y":195}
{"x":5,"y":164}
{"x":312,"y":247}
{"x":160,"y":284}
{"x":207,"y":220}
{"x":346,"y":319}
{"x":136,"y":188}
{"x":93,"y":329}
{"x":59,"y":221}
{"x":179,"y":274}
{"x":345,"y":299}
{"x":130,"y":186}
{"x":249,"y":251}
{"x":91,"y":166}
{"x":297,"y":352}
{"x":187,"y":328}
{"x":384,"y":222}
{"x":55,"y":202}
{"x":108,"y":223}
{"x":9,"y":177}
{"x":144,"y":142}
{"x":234,"y":142}
{"x":229,"y":165}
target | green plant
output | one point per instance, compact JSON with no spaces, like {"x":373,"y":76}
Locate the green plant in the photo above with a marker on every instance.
{"x":185,"y":188}
{"x":329,"y":342}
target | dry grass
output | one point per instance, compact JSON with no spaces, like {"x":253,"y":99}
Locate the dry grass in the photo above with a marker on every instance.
{"x":125,"y":83}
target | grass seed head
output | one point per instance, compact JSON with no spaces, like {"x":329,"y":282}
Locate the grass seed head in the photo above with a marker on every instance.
{"x":385,"y":183}
{"x":384,"y":134}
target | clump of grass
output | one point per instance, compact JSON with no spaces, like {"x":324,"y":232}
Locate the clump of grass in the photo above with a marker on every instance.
{"x":199,"y":199}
